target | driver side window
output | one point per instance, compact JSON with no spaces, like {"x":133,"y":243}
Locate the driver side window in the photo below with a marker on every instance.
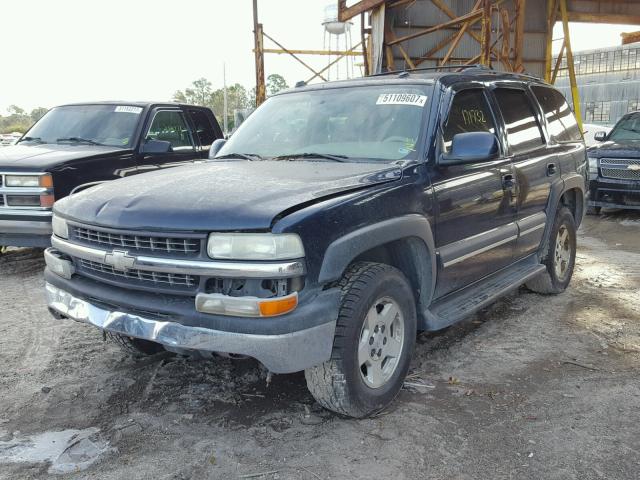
{"x":469,"y":112}
{"x":170,"y":126}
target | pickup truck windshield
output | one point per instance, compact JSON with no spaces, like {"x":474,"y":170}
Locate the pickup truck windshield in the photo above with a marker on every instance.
{"x":627,"y":129}
{"x":352,"y":123}
{"x":112,"y":125}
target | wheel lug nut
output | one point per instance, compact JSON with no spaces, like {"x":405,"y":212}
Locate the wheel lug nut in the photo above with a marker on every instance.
{"x":375,"y":330}
{"x":371,"y":341}
{"x":373,"y":353}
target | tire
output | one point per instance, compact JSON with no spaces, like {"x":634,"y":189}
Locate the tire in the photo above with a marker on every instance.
{"x":559,"y":257}
{"x":377,"y":324}
{"x":135,"y":346}
{"x":593,"y":210}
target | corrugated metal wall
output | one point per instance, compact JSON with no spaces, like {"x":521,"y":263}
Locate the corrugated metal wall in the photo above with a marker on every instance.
{"x":423,"y":13}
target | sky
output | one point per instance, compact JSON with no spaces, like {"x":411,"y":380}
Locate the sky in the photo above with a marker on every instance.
{"x":59,"y":51}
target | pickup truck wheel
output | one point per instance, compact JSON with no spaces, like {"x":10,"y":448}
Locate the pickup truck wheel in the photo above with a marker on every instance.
{"x":135,"y":346}
{"x":559,"y":258}
{"x":373,"y":342}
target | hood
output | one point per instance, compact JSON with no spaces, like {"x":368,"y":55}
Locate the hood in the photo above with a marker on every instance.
{"x":626,"y":149}
{"x":23,"y":157}
{"x":220,"y":195}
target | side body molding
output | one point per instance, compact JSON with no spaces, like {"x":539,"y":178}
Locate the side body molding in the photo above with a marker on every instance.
{"x":344,"y":250}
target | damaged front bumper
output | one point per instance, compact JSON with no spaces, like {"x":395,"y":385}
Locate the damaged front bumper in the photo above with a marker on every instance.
{"x":280,"y":353}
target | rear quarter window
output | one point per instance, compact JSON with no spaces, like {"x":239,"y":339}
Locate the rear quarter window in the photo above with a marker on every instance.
{"x":561,"y":121}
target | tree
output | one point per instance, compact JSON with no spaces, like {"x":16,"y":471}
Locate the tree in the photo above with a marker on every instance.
{"x":199,"y":94}
{"x":37,"y":113}
{"x":275,"y":83}
{"x":15,"y":110}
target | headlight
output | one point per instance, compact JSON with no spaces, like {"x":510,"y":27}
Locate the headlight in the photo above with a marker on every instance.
{"x":593,"y":165}
{"x":44,"y":181}
{"x":59,"y":226}
{"x":255,"y":246}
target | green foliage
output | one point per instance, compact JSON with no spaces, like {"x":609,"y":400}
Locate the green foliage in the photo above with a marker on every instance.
{"x":275,"y":83}
{"x":19,"y":120}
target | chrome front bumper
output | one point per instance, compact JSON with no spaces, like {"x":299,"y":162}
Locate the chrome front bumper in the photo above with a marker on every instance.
{"x":282,"y":353}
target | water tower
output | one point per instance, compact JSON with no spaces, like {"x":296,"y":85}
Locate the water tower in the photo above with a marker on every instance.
{"x":337,"y":38}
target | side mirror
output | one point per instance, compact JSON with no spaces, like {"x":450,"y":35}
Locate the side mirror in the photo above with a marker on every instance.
{"x":600,"y":136}
{"x":156,"y":146}
{"x":471,"y":147}
{"x":215,"y":147}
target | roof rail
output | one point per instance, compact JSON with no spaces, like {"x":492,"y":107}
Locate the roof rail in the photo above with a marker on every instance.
{"x":427,"y":69}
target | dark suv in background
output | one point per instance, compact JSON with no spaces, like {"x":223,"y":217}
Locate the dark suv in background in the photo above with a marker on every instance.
{"x":80,"y":144}
{"x":337,"y":222}
{"x":614,"y":166}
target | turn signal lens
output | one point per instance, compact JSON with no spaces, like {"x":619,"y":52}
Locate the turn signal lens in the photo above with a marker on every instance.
{"x":46,"y":181}
{"x":47,"y":201}
{"x":218,"y":304}
{"x":278,"y":306}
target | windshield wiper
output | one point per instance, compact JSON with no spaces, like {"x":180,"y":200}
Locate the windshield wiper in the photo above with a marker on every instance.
{"x":246,"y":156}
{"x":31,"y":139}
{"x":78,"y":140}
{"x":335,"y":158}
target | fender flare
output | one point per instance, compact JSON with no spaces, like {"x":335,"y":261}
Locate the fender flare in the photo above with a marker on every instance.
{"x":570,"y":182}
{"x":345,"y":249}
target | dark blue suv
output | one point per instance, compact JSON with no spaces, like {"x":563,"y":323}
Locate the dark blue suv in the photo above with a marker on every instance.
{"x":338,"y":221}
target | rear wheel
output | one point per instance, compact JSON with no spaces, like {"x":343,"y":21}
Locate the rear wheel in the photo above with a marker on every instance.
{"x":374,"y":338}
{"x":135,"y":346}
{"x":560,"y":256}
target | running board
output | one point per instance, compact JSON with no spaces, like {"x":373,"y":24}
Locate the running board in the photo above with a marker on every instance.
{"x":460,"y":304}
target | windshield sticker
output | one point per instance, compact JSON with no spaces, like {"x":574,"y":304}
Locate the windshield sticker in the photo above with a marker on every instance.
{"x":128,"y":109}
{"x":402,"y":99}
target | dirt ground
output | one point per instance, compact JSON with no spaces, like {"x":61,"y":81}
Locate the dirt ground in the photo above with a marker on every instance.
{"x":533,"y":387}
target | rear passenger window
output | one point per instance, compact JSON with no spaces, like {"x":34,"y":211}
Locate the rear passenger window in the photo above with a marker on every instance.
{"x":204,"y":129}
{"x":523,"y":129}
{"x":469,"y":112}
{"x":560,"y":119}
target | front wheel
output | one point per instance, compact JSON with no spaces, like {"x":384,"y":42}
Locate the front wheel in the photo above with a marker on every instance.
{"x":559,"y":257}
{"x":374,"y":339}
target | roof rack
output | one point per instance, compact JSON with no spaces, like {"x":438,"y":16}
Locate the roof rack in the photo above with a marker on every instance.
{"x":427,"y":69}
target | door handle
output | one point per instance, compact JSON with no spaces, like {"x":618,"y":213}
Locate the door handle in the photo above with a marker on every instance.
{"x":551,"y":169}
{"x":508,"y":182}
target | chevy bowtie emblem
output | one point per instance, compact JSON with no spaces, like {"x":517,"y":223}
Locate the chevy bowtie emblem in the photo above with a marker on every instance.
{"x":120,"y":260}
{"x":634,"y":166}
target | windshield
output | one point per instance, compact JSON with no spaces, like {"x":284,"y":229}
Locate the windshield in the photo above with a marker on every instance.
{"x":360,"y":123}
{"x":112,"y":125}
{"x":627,"y":129}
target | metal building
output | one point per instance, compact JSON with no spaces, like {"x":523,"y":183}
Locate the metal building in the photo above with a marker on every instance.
{"x":511,"y":35}
{"x":608,"y":81}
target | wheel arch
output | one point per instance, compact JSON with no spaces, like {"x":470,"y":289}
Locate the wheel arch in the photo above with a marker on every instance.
{"x":569,"y":192}
{"x":406,"y":243}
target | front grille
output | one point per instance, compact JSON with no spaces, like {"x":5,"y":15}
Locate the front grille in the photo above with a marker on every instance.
{"x":143,"y":243}
{"x":1,"y":200}
{"x":619,"y":168}
{"x":140,"y":276}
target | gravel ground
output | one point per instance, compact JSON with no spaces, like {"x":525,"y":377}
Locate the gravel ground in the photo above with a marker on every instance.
{"x":533,"y":387}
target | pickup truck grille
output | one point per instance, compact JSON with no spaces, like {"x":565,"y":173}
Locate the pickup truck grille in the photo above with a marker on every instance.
{"x":141,"y":243}
{"x":1,"y":200}
{"x":140,"y":277}
{"x":619,"y":168}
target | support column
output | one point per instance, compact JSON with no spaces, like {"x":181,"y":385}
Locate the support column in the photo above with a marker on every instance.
{"x":259,"y":56}
{"x":575,"y":95}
